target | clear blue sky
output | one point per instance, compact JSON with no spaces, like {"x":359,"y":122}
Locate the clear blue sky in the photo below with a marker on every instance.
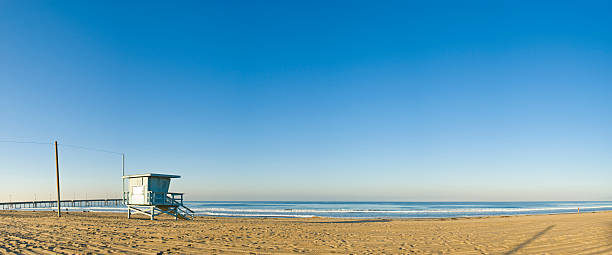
{"x":311,"y":100}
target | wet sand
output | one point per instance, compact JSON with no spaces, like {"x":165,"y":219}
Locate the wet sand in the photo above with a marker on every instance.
{"x":83,"y":232}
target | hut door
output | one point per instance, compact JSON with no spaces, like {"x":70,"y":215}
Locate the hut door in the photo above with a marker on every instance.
{"x":138,"y":195}
{"x":137,"y":192}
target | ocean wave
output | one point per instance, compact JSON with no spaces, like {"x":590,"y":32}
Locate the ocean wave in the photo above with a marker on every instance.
{"x":342,"y":211}
{"x":463,"y":210}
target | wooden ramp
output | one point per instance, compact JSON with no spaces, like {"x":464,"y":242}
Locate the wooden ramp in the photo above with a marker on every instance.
{"x":180,"y":211}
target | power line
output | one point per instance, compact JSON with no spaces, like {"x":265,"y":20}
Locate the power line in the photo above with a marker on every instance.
{"x":67,"y":145}
{"x":29,"y":142}
{"x":90,"y":149}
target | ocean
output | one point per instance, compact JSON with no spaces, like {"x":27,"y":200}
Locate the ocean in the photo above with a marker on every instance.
{"x":378,"y":209}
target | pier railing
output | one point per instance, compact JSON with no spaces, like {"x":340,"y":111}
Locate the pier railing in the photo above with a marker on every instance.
{"x":64,"y":203}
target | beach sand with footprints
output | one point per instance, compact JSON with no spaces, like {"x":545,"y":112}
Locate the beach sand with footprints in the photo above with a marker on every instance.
{"x":23,"y":232}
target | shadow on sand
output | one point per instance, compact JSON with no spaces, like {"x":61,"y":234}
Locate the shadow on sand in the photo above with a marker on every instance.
{"x":536,"y":236}
{"x":606,"y":251}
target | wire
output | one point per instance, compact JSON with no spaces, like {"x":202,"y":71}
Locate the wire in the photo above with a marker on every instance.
{"x":67,"y":145}
{"x":90,"y":149}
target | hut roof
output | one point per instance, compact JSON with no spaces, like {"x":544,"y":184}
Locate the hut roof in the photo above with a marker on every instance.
{"x":151,"y":175}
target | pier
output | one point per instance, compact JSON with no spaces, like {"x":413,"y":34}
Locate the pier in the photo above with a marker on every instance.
{"x":64,"y":203}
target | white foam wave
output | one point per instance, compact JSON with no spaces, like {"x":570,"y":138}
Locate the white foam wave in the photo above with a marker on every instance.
{"x":256,"y":215}
{"x":462,"y":210}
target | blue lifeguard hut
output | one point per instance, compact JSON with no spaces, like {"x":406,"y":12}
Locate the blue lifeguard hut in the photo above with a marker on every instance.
{"x":148,"y":194}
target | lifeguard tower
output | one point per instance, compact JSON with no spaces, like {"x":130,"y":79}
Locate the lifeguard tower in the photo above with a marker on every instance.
{"x":148,"y":194}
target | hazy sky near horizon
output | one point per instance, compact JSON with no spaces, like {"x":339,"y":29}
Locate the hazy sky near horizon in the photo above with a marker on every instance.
{"x":312,"y":100}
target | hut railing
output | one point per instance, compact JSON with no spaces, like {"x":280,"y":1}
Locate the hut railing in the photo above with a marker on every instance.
{"x":157,"y":198}
{"x":162,"y":199}
{"x":165,"y":198}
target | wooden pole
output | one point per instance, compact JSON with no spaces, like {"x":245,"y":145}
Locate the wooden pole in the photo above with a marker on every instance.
{"x":59,"y":211}
{"x":123,"y":174}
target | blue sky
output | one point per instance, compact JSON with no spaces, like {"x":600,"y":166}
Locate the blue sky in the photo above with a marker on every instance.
{"x":318,"y":100}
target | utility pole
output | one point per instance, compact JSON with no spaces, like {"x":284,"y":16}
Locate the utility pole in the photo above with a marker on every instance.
{"x":59,"y":211}
{"x":123,"y":174}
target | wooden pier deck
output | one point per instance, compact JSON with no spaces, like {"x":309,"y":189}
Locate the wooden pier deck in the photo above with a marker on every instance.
{"x":64,"y":203}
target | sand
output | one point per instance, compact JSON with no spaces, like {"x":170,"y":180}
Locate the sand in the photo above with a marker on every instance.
{"x":88,"y":232}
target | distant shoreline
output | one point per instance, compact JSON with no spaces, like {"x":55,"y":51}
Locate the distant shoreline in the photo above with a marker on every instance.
{"x":335,"y":218}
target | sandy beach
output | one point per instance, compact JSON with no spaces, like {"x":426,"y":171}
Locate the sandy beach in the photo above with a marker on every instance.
{"x":83,"y":232}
